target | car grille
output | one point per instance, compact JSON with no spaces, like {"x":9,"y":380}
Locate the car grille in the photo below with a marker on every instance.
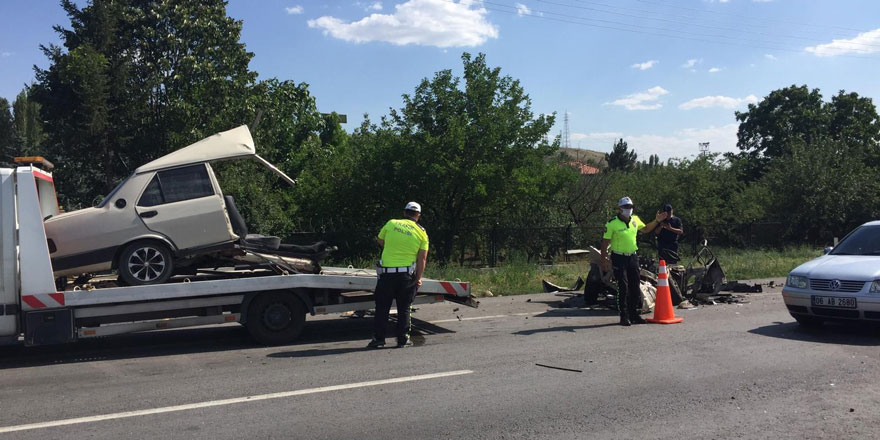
{"x":845,"y":286}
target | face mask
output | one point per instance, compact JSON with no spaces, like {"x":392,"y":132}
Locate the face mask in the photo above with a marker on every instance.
{"x":626,"y":212}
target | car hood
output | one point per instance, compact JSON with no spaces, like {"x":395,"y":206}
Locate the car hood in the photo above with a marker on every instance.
{"x":841,"y":267}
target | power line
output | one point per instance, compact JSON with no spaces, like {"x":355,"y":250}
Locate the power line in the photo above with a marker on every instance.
{"x":677,"y":22}
{"x":730,"y":14}
{"x":581,"y":21}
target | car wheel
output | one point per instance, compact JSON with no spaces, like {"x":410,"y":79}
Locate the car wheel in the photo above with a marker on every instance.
{"x":808,"y":321}
{"x":145,"y":262}
{"x":275,"y":318}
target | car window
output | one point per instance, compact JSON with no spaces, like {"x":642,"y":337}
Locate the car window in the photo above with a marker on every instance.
{"x":152,"y":196}
{"x":865,"y":240}
{"x":185,"y":183}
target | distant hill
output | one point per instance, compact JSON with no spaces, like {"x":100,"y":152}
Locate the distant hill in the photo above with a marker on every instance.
{"x":584,"y":156}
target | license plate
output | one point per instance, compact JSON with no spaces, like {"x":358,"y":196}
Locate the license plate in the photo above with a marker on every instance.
{"x":847,"y":302}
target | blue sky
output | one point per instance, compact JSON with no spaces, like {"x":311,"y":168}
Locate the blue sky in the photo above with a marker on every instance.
{"x":662,"y":74}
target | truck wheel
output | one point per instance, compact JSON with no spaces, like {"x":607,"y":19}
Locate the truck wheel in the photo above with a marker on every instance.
{"x":275,"y":318}
{"x":145,"y":262}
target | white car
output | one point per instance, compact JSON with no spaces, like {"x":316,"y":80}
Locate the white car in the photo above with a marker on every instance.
{"x":160,"y":217}
{"x":844,"y":284}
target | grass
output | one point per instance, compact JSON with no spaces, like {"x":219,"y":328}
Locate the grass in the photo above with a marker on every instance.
{"x":520,"y":277}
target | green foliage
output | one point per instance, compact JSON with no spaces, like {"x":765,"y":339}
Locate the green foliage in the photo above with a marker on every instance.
{"x":798,"y":115}
{"x":620,"y":158}
{"x":469,"y":149}
{"x":28,"y":128}
{"x":822,"y":189}
{"x":134,"y":80}
{"x":7,"y":132}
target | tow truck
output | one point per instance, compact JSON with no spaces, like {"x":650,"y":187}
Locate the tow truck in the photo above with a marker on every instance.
{"x":34,"y":310}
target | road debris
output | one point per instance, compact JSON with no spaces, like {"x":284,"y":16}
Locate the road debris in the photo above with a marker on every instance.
{"x":551,"y":288}
{"x":560,"y":368}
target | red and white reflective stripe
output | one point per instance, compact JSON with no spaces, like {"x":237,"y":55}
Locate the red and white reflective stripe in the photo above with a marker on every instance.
{"x":42,"y":301}
{"x":459,"y":289}
{"x":662,"y":277}
{"x":41,"y":175}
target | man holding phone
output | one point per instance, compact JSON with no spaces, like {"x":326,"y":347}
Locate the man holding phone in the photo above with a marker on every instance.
{"x":667,"y":236}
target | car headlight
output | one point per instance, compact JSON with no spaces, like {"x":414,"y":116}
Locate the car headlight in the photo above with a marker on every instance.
{"x":799,"y":282}
{"x":875,"y":287}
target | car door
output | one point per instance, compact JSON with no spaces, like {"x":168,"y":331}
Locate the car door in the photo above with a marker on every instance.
{"x":181,"y":203}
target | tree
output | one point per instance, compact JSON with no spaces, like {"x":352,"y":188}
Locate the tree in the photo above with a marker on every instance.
{"x":620,"y":158}
{"x":824,"y":201}
{"x":796,"y":115}
{"x":28,"y":127}
{"x":134,"y":80}
{"x":7,"y":132}
{"x":469,"y":149}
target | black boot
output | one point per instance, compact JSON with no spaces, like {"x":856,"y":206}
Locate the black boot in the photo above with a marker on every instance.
{"x":637,"y":319}
{"x":624,"y":321}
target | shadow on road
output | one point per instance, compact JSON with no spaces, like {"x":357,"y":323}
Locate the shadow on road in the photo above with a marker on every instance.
{"x":840,"y":333}
{"x":197,"y":340}
{"x":565,"y":328}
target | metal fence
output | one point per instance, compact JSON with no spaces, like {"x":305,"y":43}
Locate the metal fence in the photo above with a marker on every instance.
{"x":498,"y":245}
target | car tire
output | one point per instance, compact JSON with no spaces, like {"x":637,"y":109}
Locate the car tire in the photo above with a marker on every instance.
{"x":275,"y":318}
{"x":807,"y":321}
{"x":145,"y":262}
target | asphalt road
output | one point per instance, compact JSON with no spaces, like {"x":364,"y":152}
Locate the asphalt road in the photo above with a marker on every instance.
{"x":729,"y":371}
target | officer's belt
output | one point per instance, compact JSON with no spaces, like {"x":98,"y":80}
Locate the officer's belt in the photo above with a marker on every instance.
{"x":623,"y":254}
{"x":394,"y":269}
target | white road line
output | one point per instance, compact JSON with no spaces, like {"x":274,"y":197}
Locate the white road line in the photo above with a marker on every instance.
{"x":474,"y":318}
{"x":208,"y":404}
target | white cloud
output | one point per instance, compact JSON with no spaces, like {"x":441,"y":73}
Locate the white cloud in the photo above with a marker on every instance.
{"x":377,"y":6}
{"x":6,"y":54}
{"x":864,"y":43}
{"x":646,"y":65}
{"x":646,"y":100}
{"x":680,"y":144}
{"x":522,"y":9}
{"x":437,"y":23}
{"x":718,"y":101}
{"x":294,"y":10}
{"x":770,"y":57}
{"x":715,"y":70}
{"x":691,"y":63}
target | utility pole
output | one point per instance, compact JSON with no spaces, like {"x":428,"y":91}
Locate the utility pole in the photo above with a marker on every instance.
{"x":704,"y":148}
{"x":566,"y":134}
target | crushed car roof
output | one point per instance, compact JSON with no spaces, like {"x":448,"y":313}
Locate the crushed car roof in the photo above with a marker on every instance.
{"x":224,"y":145}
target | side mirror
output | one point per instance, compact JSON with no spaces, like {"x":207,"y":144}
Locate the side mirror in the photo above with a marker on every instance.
{"x":828,"y":249}
{"x":120,"y":203}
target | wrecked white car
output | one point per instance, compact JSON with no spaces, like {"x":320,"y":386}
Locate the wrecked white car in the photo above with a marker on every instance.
{"x":169,"y":217}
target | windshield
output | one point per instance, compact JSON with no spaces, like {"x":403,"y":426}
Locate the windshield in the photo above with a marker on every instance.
{"x":112,"y":193}
{"x":864,"y":240}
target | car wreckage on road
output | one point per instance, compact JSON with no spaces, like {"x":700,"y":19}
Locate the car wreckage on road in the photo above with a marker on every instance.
{"x":169,"y":217}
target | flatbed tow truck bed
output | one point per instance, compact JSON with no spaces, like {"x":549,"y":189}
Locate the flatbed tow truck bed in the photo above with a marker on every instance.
{"x":273,"y":307}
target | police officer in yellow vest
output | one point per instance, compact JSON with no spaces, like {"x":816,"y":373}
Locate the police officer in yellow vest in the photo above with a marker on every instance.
{"x":404,"y":255}
{"x":620,"y":234}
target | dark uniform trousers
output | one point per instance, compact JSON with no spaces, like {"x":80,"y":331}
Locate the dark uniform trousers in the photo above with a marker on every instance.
{"x":629,"y":293}
{"x":390,"y":287}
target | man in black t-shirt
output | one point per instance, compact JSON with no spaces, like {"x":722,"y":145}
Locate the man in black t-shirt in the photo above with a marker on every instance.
{"x":667,"y":236}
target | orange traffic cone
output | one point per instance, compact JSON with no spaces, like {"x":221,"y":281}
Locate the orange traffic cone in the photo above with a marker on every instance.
{"x":663,"y":311}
